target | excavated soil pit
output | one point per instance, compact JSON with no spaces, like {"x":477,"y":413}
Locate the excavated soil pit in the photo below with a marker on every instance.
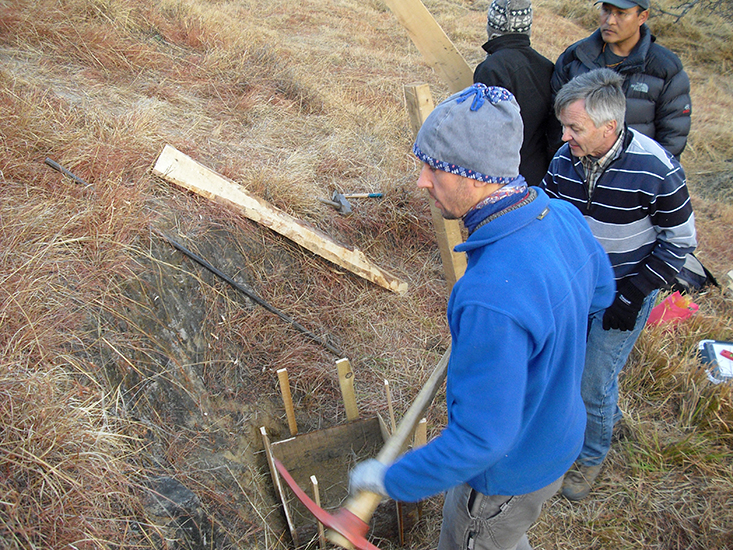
{"x":329,"y":455}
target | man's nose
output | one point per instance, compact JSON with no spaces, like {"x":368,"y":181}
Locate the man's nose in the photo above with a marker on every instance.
{"x":566,"y":135}
{"x":425,"y":181}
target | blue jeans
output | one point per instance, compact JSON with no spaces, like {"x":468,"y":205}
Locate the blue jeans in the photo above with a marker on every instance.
{"x":605,"y":356}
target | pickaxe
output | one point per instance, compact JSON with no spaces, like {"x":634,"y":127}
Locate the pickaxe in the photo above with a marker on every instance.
{"x":349,"y":526}
{"x":341,"y":204}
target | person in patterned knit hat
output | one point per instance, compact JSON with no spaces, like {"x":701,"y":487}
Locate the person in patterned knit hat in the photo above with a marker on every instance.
{"x":512,"y":63}
{"x":517,"y":317}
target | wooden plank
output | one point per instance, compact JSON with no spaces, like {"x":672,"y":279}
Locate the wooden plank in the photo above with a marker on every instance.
{"x":178,"y":168}
{"x":278,"y":486}
{"x":433,"y":43}
{"x":419,"y":104}
{"x":329,"y":455}
{"x":346,"y":383}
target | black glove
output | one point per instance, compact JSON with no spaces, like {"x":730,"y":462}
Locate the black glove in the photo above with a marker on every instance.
{"x":622,"y":313}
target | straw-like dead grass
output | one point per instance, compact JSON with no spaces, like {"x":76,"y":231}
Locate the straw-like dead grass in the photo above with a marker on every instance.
{"x":291,"y":101}
{"x":66,"y":463}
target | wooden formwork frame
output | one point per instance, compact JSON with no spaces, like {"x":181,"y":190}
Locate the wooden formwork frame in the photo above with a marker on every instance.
{"x":320,"y":462}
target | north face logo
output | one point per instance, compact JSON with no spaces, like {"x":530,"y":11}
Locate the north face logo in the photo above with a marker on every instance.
{"x":640,"y":87}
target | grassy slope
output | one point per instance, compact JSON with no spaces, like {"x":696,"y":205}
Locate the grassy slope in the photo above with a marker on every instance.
{"x":292,"y":102}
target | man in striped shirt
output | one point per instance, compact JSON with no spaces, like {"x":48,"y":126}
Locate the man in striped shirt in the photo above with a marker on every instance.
{"x":633,"y":194}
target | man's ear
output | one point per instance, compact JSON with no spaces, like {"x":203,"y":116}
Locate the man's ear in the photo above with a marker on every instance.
{"x":643,"y":16}
{"x":611,"y":127}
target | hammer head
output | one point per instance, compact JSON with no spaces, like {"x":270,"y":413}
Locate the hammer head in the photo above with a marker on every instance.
{"x":343,"y":208}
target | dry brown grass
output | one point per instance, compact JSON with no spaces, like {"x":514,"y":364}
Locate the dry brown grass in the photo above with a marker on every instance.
{"x":101,"y":322}
{"x":68,"y":469}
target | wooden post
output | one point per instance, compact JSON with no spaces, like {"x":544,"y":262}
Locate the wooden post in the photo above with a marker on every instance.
{"x":419,"y":439}
{"x":317,"y":499}
{"x":421,"y":434}
{"x":419,"y":102}
{"x":282,"y":376}
{"x":448,"y":232}
{"x":346,"y":382}
{"x":393,"y":424}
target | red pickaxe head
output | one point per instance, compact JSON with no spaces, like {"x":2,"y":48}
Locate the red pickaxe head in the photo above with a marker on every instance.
{"x":344,"y":522}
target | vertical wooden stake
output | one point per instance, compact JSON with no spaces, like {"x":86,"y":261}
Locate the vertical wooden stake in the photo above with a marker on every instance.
{"x":419,"y":439}
{"x":419,"y":103}
{"x":346,"y":382}
{"x":398,"y":505}
{"x":448,"y":232}
{"x":392,"y":422}
{"x":317,"y":499}
{"x":421,"y":434}
{"x":282,"y":376}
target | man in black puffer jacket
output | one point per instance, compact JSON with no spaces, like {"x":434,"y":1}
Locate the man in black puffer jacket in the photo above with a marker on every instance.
{"x":656,"y":86}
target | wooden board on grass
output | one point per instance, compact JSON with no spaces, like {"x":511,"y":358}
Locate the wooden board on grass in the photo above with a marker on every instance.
{"x":178,"y":168}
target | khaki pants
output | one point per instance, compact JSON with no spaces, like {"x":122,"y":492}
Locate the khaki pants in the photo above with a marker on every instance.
{"x":474,"y":521}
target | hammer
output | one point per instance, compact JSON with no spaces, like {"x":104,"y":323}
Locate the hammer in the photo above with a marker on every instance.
{"x":341,"y":204}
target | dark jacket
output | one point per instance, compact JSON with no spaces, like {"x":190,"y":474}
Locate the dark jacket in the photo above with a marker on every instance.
{"x":512,"y":64}
{"x":657,"y":88}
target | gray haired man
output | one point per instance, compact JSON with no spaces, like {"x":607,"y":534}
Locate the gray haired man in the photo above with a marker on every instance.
{"x":634,"y":196}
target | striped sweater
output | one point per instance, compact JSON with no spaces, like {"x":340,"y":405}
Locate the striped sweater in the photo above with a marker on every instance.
{"x":639,"y":210}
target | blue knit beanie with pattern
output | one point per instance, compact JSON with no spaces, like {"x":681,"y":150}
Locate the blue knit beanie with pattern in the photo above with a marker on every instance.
{"x":476,"y":133}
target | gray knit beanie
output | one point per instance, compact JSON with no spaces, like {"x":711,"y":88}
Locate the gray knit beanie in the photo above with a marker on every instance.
{"x":476,"y":133}
{"x":509,"y":16}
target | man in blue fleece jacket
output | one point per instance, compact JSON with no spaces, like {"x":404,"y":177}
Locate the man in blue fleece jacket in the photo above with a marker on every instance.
{"x":518,"y":320}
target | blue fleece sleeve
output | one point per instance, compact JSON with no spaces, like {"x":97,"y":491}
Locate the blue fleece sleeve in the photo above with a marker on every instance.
{"x":486,"y":384}
{"x":605,"y":281}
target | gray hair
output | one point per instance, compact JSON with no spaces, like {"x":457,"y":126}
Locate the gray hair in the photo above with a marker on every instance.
{"x":604,"y":97}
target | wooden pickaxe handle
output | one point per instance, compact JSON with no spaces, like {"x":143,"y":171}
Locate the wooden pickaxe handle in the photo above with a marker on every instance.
{"x":364,"y":503}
